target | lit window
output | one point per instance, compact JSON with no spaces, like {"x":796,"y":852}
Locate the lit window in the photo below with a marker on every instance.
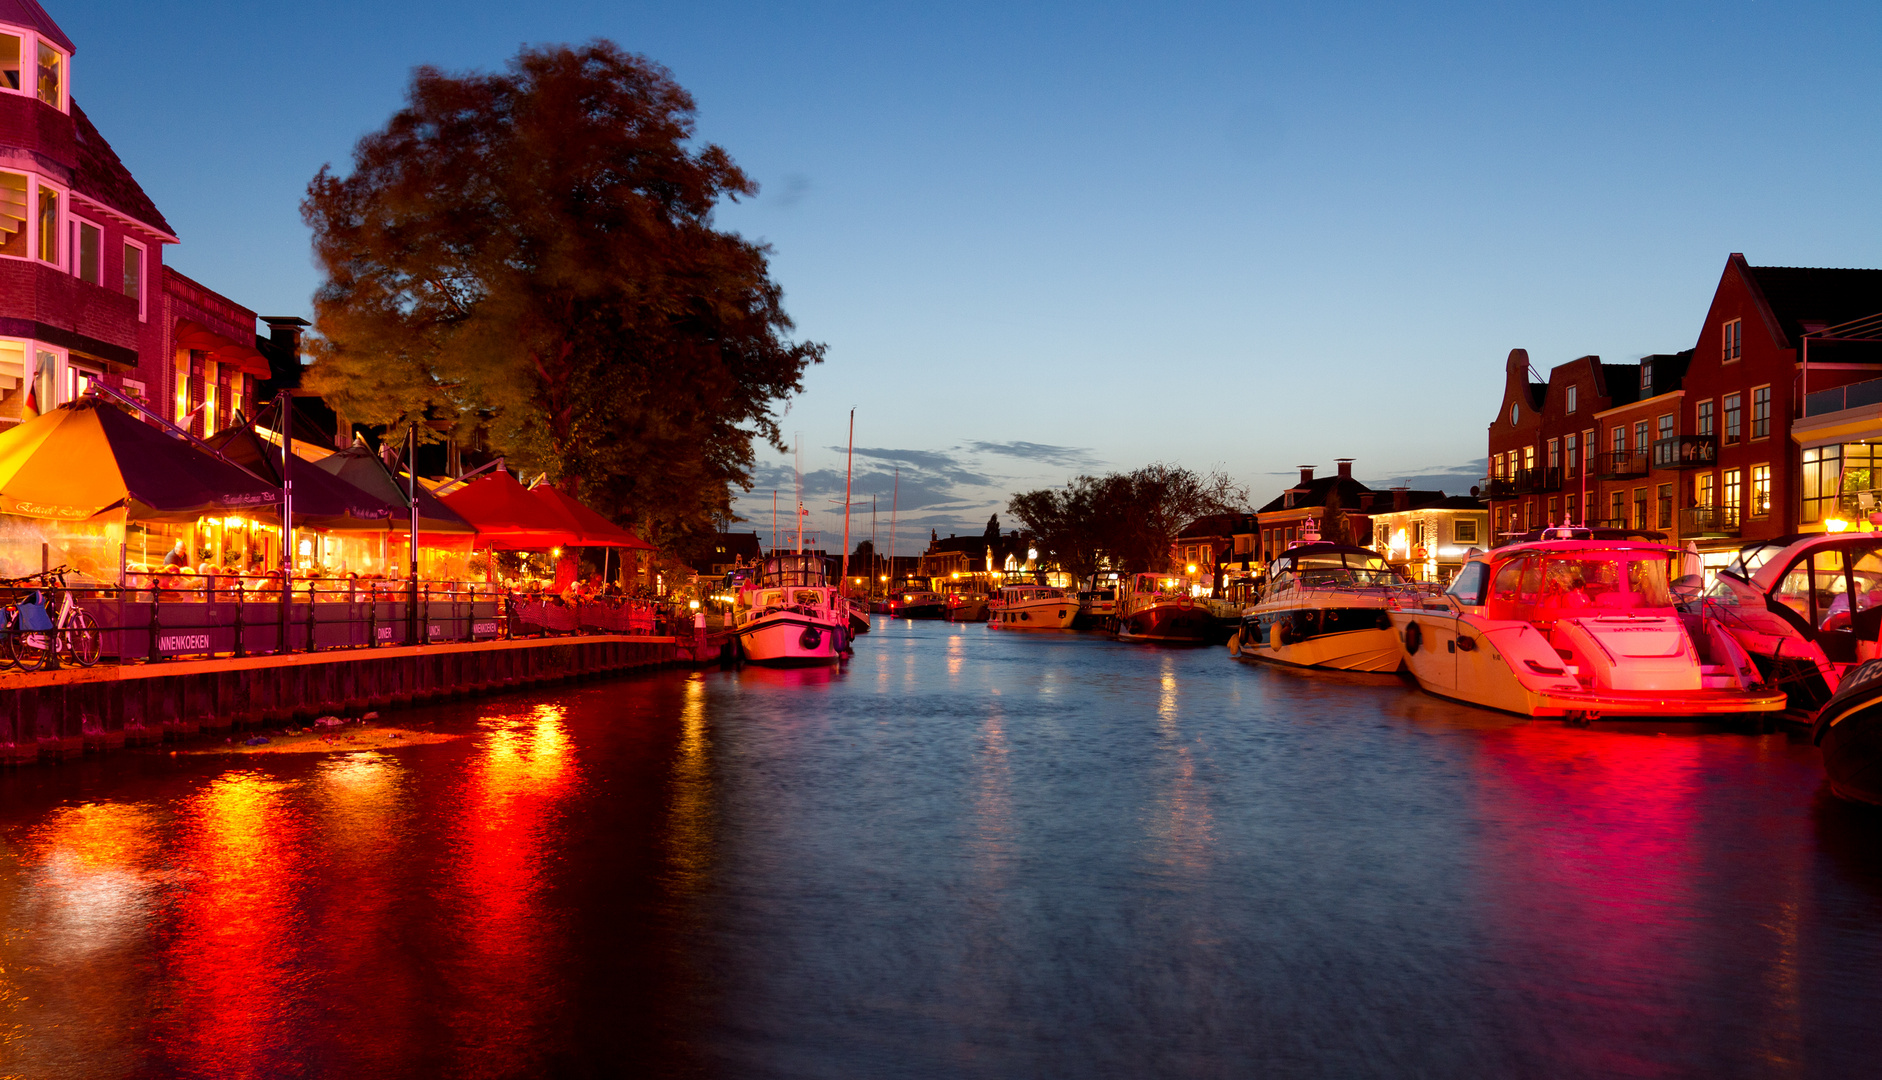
{"x":1570,"y":403}
{"x":1732,"y":345}
{"x":91,"y":242}
{"x":1732,"y":412}
{"x":9,"y":62}
{"x":182,"y":395}
{"x":1732,"y":490}
{"x":1464,"y":530}
{"x":51,"y":76}
{"x":13,"y":214}
{"x":1760,"y":490}
{"x":1529,"y":458}
{"x":48,"y":225}
{"x":1704,"y":489}
{"x":1703,"y":416}
{"x":1761,"y":412}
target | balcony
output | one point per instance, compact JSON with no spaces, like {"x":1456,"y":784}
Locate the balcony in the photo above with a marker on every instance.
{"x":1620,"y":465}
{"x":1836,"y":399}
{"x":1496,"y":487}
{"x":1529,"y":481}
{"x":1686,"y":452}
{"x":1701,"y":521}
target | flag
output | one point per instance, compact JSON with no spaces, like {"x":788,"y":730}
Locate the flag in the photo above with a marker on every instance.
{"x":30,"y":409}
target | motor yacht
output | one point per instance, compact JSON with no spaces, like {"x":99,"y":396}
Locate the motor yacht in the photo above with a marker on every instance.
{"x":966,"y":601}
{"x":912,"y":598}
{"x":1806,"y":607}
{"x":1849,"y":729}
{"x":1097,"y":602}
{"x":1025,"y":606}
{"x":790,"y":614}
{"x":859,"y":616}
{"x":1160,"y":608}
{"x":1575,"y":627}
{"x":1325,"y":606}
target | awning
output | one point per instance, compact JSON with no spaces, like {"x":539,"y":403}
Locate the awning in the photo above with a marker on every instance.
{"x":507,"y":516}
{"x":595,"y":530}
{"x":223,"y":350}
{"x":87,"y":457}
{"x":321,"y":500}
{"x":359,"y":466}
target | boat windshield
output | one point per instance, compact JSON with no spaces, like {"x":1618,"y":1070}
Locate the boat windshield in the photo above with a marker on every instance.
{"x":794,"y":570}
{"x":1751,"y":558}
{"x":1337,"y":569}
{"x":1545,"y":587}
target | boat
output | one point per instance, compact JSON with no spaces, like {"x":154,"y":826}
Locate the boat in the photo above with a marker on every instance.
{"x":1097,"y":602}
{"x":1787,"y":601}
{"x":966,"y":602}
{"x":1027,"y":606}
{"x":790,"y":614}
{"x":1159,"y":608}
{"x":859,"y":616}
{"x":912,"y":598}
{"x":1575,"y":627}
{"x":1849,"y":729}
{"x":1325,"y":606}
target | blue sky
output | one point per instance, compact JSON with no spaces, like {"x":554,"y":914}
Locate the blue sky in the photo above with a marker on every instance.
{"x":1047,"y":239}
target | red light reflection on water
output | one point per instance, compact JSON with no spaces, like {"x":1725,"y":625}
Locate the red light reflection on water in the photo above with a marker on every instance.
{"x":512,"y":793}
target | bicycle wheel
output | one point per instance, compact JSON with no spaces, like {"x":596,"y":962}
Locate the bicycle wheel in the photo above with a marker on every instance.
{"x":83,"y":641}
{"x":9,"y":630}
{"x":31,"y":650}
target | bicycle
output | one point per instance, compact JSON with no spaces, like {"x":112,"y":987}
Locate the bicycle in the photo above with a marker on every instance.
{"x":37,"y":636}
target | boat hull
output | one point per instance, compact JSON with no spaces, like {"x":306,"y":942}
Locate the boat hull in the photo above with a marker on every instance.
{"x":1353,"y":650}
{"x":918,"y":610}
{"x":1047,"y":615}
{"x":1168,"y":624}
{"x":791,"y":639}
{"x":1849,"y":729}
{"x":968,"y":611}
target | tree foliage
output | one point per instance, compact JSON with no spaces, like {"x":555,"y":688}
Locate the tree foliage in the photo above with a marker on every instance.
{"x":1122,"y":521}
{"x":532,"y":252}
{"x":1336,"y":527}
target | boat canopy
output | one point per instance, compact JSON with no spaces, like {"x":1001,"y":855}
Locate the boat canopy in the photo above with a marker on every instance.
{"x":1544,"y":584}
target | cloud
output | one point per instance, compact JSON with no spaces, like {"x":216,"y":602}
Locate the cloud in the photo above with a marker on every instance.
{"x":1452,"y":479}
{"x":792,"y":191}
{"x":1069,"y":457}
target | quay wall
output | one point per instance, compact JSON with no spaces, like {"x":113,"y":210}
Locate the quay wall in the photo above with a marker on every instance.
{"x":51,"y":715}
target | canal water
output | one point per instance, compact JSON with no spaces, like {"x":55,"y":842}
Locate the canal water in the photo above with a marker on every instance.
{"x":969,"y":853}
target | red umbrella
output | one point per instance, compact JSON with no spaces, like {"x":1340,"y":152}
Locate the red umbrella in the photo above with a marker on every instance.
{"x":595,"y":530}
{"x":507,"y":516}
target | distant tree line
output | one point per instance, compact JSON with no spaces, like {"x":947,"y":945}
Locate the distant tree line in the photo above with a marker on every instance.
{"x":1123,"y":521}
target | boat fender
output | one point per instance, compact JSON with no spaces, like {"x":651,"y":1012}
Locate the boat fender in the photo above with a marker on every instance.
{"x":1278,"y":635}
{"x":810,"y":638}
{"x":1235,"y":643}
{"x":1385,"y":621}
{"x":1414,"y":637}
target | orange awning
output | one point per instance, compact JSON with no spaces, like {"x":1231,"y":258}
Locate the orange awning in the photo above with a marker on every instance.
{"x":222,"y":349}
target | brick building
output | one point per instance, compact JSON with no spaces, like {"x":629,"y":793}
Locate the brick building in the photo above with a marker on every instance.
{"x":1283,"y":518}
{"x":84,"y":294}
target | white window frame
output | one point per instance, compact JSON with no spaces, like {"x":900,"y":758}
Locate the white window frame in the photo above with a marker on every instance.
{"x":143,"y":277}
{"x":34,"y":182}
{"x":29,"y":66}
{"x":74,"y":230}
{"x":1570,"y":403}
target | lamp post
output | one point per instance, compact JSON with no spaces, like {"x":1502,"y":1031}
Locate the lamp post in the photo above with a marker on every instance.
{"x":411,"y":498}
{"x":285,"y":399}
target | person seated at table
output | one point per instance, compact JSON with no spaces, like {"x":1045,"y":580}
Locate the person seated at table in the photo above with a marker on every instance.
{"x":166,"y":582}
{"x":178,"y":557}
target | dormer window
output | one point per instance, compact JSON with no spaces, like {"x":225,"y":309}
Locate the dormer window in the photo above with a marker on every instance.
{"x":32,"y":64}
{"x":1646,"y":380}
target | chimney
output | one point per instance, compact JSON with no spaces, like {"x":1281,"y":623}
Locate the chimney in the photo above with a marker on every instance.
{"x":1401,"y":499}
{"x":284,"y":333}
{"x":1346,"y":467}
{"x":1365,"y":500}
{"x":1306,"y":475}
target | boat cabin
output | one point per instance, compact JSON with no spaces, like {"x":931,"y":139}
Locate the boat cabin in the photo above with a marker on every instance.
{"x":1826,"y":586}
{"x":1334,"y":566}
{"x":788,"y":570}
{"x":1541,"y":583}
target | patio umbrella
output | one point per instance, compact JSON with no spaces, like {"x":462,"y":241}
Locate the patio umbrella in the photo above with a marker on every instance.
{"x":82,"y":459}
{"x":1690,"y":565}
{"x":359,"y":467}
{"x":321,"y":500}
{"x":507,"y":516}
{"x":595,"y":530}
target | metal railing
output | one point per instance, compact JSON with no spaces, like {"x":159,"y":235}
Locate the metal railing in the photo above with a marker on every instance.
{"x":1620,"y":464}
{"x":1837,"y":398}
{"x":1686,"y":452}
{"x":150,"y":618}
{"x":1708,"y":521}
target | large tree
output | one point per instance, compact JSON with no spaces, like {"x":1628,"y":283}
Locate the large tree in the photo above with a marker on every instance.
{"x":1123,"y":521}
{"x":532,"y":253}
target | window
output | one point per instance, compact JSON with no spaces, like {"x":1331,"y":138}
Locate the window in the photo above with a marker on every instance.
{"x":1731,"y":417}
{"x":1665,"y":425}
{"x":51,"y":76}
{"x":1555,"y":453}
{"x":9,"y":62}
{"x":1733,"y":345}
{"x":1640,"y":434}
{"x":1620,"y":440}
{"x":1665,"y":494}
{"x":1646,"y":378}
{"x":1529,"y":514}
{"x":1730,"y":501}
{"x":91,"y":242}
{"x":134,"y":274}
{"x":1570,"y":445}
{"x":1529,"y":458}
{"x":211,"y":422}
{"x":1761,"y":412}
{"x":1570,"y":518}
{"x":1823,"y":480}
{"x":1760,"y":490}
{"x":1496,"y":468}
{"x":48,"y":225}
{"x":1464,"y":530}
{"x":1513,"y":413}
{"x":1702,"y":417}
{"x":1555,"y":510}
{"x":1705,"y":489}
{"x":182,"y":394}
{"x":77,"y":381}
{"x":1569,"y":405}
{"x":1617,"y":509}
{"x":13,"y":214}
{"x":1499,"y":519}
{"x":1640,"y":508}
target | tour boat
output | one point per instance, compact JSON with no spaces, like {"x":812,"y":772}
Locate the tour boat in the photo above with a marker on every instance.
{"x":966,"y":603}
{"x":1025,"y":606}
{"x":1159,"y":607}
{"x":1325,"y":606}
{"x":1788,"y":602}
{"x":1849,"y":729}
{"x":913,"y":599}
{"x":1097,"y":602}
{"x":1578,"y":628}
{"x":791,"y":614}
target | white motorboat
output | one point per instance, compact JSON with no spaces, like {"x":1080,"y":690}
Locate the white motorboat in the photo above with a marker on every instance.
{"x":1097,"y":602}
{"x":1325,"y":606}
{"x":791,"y":614}
{"x":1032,"y":607}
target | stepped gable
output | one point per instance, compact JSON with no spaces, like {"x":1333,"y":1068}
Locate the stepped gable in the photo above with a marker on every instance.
{"x":29,"y":14}
{"x":1807,"y":298}
{"x":103,"y":177}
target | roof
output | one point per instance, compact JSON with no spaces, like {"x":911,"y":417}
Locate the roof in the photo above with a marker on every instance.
{"x":1317,"y":490}
{"x":1818,"y":296}
{"x":1218,"y":525}
{"x":103,"y":177}
{"x":29,"y":14}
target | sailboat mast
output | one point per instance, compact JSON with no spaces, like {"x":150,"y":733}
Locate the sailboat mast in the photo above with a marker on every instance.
{"x":801,"y":512}
{"x":895,"y":503}
{"x":849,"y":473}
{"x":774,"y":521}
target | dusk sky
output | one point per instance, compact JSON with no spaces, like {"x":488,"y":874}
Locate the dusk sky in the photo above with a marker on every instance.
{"x":1050,"y":239}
